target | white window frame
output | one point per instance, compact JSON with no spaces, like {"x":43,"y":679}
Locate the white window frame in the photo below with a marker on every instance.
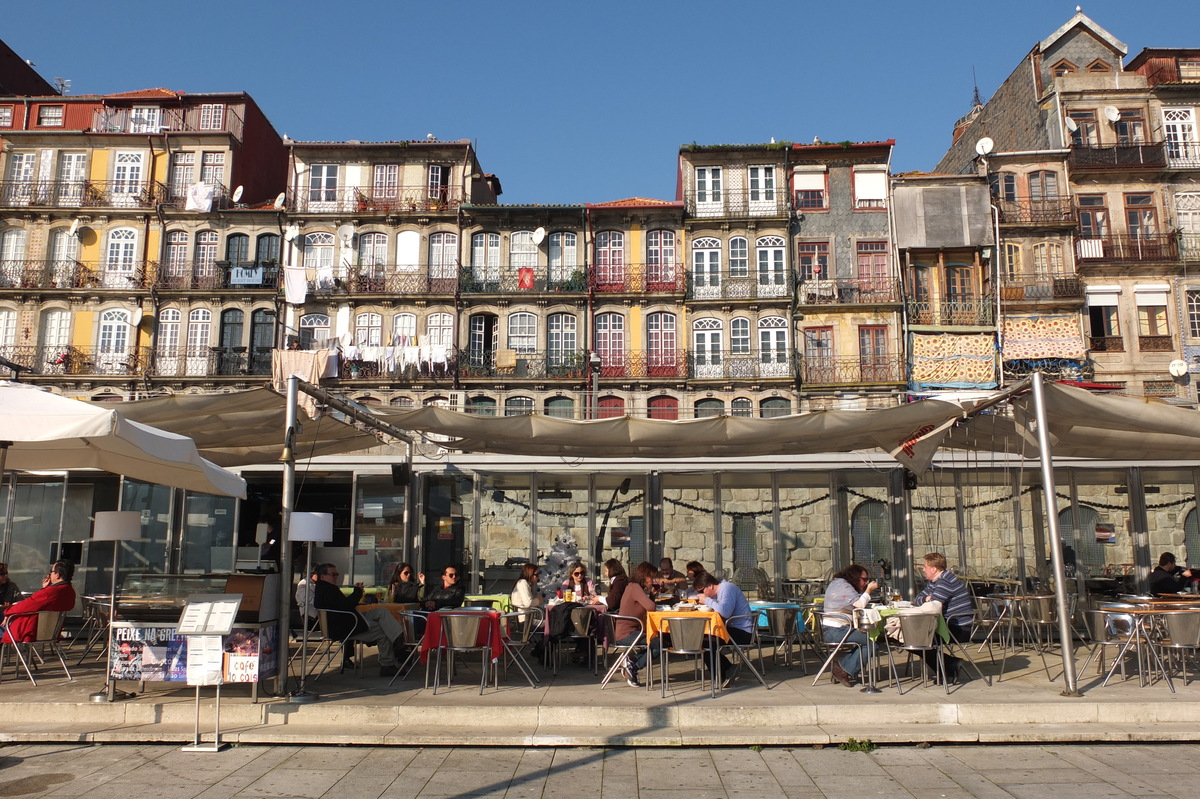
{"x":212,"y":116}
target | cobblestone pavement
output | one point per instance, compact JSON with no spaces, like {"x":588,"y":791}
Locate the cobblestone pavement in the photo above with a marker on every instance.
{"x":1060,"y":771}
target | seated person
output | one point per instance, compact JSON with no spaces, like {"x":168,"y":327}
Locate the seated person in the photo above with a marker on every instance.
{"x":694,"y":569}
{"x":670,"y":581}
{"x":404,"y":586}
{"x":1168,"y":577}
{"x":944,"y":586}
{"x":525,"y":594}
{"x":582,"y":585}
{"x":635,"y":602}
{"x":304,"y":593}
{"x":20,"y":619}
{"x":9,"y":592}
{"x":449,"y":595}
{"x":730,"y":603}
{"x":850,"y":588}
{"x":617,"y":579}
{"x":377,"y":625}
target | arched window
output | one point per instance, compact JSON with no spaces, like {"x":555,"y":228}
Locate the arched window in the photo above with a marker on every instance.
{"x":199,"y":339}
{"x":611,"y":408}
{"x":232,"y":325}
{"x":1011,"y":263}
{"x":64,"y":257}
{"x":741,"y":406}
{"x":406,"y":402}
{"x":560,"y":407}
{"x":314,"y":329}
{"x":563,"y":257}
{"x":706,"y":269}
{"x":775,"y":406}
{"x":1048,"y":259}
{"x":55,"y":336}
{"x":206,"y":257}
{"x":404,"y":329}
{"x":372,"y":251}
{"x":266,"y":249}
{"x":518,"y":406}
{"x":709,"y":407}
{"x":481,"y":406}
{"x":707,"y":355}
{"x":522,"y":332}
{"x":1191,"y":537}
{"x":772,"y":276}
{"x":368,"y":330}
{"x":483,"y":337}
{"x":1091,"y":555}
{"x":485,"y":259}
{"x":610,"y":344}
{"x":12,"y":250}
{"x":443,"y":256}
{"x":664,"y":407}
{"x":120,"y":258}
{"x":169,"y":322}
{"x":262,"y":340}
{"x":237,"y":249}
{"x":773,"y":346}
{"x":112,"y":351}
{"x":1004,"y":186}
{"x":739,"y":257}
{"x":610,"y":261}
{"x":661,"y":272}
{"x":318,"y":254}
{"x":522,"y":252}
{"x":663,"y":358}
{"x":440,"y":327}
{"x":739,"y":336}
{"x":8,"y":327}
{"x":870,"y":533}
{"x":562,"y":340}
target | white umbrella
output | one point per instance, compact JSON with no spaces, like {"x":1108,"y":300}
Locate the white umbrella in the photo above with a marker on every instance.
{"x":48,"y":431}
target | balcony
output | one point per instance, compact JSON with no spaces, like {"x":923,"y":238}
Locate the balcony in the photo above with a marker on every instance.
{"x":517,"y":279}
{"x":1051,"y":287}
{"x":534,"y":364}
{"x":1156,"y":343}
{"x":829,"y":371}
{"x":1118,"y":156}
{"x":1189,"y":246}
{"x":740,"y":202}
{"x":972,"y":313}
{"x":176,"y":197}
{"x":740,"y":285}
{"x":1106,"y":343}
{"x":849,"y":291}
{"x":1157,"y":247}
{"x":126,"y":120}
{"x":740,"y":366}
{"x":68,"y":275}
{"x":1053,"y":210}
{"x":1183,"y":154}
{"x":638,"y":279}
{"x":204,"y":276}
{"x":76,"y":361}
{"x":79,"y":194}
{"x":211,"y":361}
{"x":383,"y":202}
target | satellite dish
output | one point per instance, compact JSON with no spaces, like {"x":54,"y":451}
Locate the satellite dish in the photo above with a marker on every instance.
{"x":237,"y":194}
{"x":291,"y":233}
{"x":346,"y":233}
{"x":1177,"y":368}
{"x":984,"y":146}
{"x":1112,"y":113}
{"x":280,"y":200}
{"x":1071,"y":125}
{"x":75,"y":227}
{"x":539,"y":235}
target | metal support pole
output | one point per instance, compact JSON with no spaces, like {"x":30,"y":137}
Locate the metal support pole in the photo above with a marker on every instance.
{"x":1066,"y":641}
{"x":288,"y":504}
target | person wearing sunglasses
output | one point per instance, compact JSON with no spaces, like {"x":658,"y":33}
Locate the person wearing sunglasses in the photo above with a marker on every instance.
{"x":9,"y":592}
{"x":578,"y":582}
{"x":21,"y":619}
{"x":450,"y":594}
{"x":404,"y":586}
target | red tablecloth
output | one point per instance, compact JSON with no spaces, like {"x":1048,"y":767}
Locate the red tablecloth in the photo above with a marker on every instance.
{"x":489,"y":631}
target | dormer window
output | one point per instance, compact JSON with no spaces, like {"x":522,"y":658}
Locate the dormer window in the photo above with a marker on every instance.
{"x":1099,"y":66}
{"x":145,"y":119}
{"x":1063,"y":67}
{"x":1189,"y":69}
{"x":50,"y":116}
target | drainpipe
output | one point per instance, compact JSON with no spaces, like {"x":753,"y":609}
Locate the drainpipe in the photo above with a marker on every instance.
{"x":996,"y":278}
{"x":590,"y":315}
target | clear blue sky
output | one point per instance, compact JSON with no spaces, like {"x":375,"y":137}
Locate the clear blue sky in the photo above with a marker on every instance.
{"x":569,"y":102}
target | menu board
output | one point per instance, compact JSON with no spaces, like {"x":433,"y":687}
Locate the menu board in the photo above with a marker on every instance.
{"x":209,"y":614}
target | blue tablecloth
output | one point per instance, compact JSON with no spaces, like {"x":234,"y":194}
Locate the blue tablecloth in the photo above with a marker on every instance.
{"x":761,"y":607}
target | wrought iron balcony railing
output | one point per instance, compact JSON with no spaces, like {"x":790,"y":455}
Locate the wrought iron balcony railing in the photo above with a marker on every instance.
{"x":1156,"y":343}
{"x":848,"y":291}
{"x":516,"y":279}
{"x":1044,"y":287}
{"x":1052,"y":210}
{"x":1183,"y":154}
{"x":205,"y":275}
{"x":637,"y":278}
{"x":191,"y":119}
{"x":210,"y":361}
{"x":80,"y":194}
{"x":951,"y":312}
{"x":1156,"y":247}
{"x":737,"y":202}
{"x":177,"y":196}
{"x":1189,"y":246}
{"x":551,"y":364}
{"x":80,"y":361}
{"x":739,"y":285}
{"x":740,"y":365}
{"x":69,"y":275}
{"x":383,"y":201}
{"x":841,"y":371}
{"x":1118,"y":156}
{"x":1106,"y":343}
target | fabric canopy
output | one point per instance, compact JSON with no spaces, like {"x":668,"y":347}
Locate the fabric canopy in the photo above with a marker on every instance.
{"x":246,"y":427}
{"x":48,"y":431}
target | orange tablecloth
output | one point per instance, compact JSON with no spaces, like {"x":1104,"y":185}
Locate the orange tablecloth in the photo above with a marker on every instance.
{"x":657,"y":622}
{"x":489,"y":631}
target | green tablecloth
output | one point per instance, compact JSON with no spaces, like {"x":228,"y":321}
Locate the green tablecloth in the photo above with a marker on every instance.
{"x":943,"y":630}
{"x":501,"y":602}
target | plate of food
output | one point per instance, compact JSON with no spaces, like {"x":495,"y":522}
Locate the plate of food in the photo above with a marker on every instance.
{"x":902,"y":604}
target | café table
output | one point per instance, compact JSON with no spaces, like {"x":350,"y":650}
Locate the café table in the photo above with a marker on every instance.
{"x":1141,"y":640}
{"x":597,"y":631}
{"x":658,"y":622}
{"x":395,"y":608}
{"x":500,"y":602}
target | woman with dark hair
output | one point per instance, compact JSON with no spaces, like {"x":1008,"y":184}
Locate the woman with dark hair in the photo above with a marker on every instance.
{"x":525,"y":594}
{"x":635,"y":602}
{"x":851,"y":588}
{"x":404,"y":585}
{"x":614,"y":572}
{"x":580,"y":584}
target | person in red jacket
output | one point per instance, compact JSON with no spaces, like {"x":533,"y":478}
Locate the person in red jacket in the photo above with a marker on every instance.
{"x":21,"y":619}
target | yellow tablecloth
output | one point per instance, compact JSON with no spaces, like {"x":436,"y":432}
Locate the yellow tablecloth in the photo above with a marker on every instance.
{"x":657,"y":621}
{"x":393,"y":607}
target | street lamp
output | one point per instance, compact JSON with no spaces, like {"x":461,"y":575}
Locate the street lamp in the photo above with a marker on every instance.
{"x":594,"y":362}
{"x":115,"y":526}
{"x":312,"y":528}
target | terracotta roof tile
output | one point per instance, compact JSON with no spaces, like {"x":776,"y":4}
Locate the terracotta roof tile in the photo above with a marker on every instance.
{"x":145,"y":94}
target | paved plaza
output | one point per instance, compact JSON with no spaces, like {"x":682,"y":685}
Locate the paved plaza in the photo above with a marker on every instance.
{"x":1063,"y":771}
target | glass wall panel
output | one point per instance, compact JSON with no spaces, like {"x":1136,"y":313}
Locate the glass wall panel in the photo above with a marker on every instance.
{"x":688,"y":524}
{"x":619,"y":518}
{"x":562,"y":526}
{"x":1096,"y":540}
{"x":147,"y":554}
{"x":379,"y":527}
{"x":208,"y":534}
{"x":35,"y":528}
{"x":747,"y":503}
{"x":805,"y":532}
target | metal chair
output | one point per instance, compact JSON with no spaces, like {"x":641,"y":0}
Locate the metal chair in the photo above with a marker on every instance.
{"x":919,"y":634}
{"x":732,"y":647}
{"x":334,"y":646}
{"x":782,"y":631}
{"x":1106,"y":629}
{"x":516,"y":633}
{"x":622,"y":651}
{"x":95,"y":626}
{"x":1182,"y":629}
{"x":460,"y":633}
{"x":49,"y":630}
{"x":687,"y":640}
{"x":826,"y":648}
{"x":411,"y":644}
{"x":578,"y":631}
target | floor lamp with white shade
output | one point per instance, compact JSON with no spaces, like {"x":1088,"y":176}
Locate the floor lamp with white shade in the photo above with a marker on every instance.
{"x":115,"y":526}
{"x":312,"y":528}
